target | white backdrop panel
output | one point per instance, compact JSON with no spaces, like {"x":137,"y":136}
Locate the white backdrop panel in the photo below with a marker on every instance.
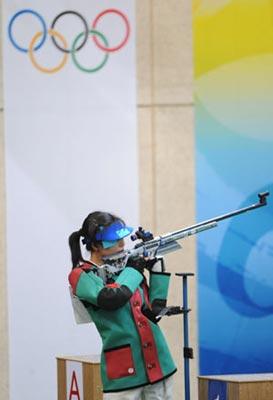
{"x":71,"y":148}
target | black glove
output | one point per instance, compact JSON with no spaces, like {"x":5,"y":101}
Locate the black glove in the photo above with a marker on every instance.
{"x":152,"y":311}
{"x":150,"y":262}
{"x":139,"y":263}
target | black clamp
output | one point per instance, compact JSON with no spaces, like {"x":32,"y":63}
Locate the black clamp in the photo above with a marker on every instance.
{"x":188,"y":352}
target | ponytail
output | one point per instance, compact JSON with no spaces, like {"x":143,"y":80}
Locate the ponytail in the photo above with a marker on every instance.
{"x":91,"y":225}
{"x":75,"y":248}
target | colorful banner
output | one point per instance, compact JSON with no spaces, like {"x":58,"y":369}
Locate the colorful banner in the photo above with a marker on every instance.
{"x":233,"y":50}
{"x":71,"y":148}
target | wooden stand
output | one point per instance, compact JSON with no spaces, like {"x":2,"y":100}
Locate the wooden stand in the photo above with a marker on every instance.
{"x":239,"y":387}
{"x":79,"y":377}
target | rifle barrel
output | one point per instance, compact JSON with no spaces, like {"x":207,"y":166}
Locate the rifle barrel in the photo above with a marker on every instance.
{"x":262,"y":202}
{"x":165,"y":241}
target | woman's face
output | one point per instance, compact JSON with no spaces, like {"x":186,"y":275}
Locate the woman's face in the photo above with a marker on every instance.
{"x":119,"y":246}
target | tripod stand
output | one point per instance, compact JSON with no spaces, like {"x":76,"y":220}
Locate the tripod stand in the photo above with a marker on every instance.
{"x":174,"y":310}
{"x":187,"y":351}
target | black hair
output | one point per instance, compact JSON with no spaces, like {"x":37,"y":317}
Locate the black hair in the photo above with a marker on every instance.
{"x":90,"y":227}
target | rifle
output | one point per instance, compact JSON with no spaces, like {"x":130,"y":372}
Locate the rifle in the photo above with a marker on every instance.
{"x":157,"y":246}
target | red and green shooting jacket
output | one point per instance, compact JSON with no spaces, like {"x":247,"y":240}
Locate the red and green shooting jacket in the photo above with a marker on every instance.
{"x":134,"y":352}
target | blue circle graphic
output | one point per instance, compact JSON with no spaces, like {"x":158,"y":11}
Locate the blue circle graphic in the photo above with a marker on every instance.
{"x":27,"y":11}
{"x":234,"y":279}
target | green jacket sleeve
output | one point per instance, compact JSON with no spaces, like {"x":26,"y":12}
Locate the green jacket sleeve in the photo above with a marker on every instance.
{"x":89,"y":287}
{"x":159,"y":286}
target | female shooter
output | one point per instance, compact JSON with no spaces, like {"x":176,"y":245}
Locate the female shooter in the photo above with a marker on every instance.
{"x":135,"y":360}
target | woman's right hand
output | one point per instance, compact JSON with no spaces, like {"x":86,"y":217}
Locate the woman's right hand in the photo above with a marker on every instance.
{"x":140,"y":263}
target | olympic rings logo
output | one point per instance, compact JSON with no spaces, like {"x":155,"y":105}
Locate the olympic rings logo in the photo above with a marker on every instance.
{"x":61,"y":45}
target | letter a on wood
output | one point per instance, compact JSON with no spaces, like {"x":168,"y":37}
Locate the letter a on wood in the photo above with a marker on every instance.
{"x":74,"y":389}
